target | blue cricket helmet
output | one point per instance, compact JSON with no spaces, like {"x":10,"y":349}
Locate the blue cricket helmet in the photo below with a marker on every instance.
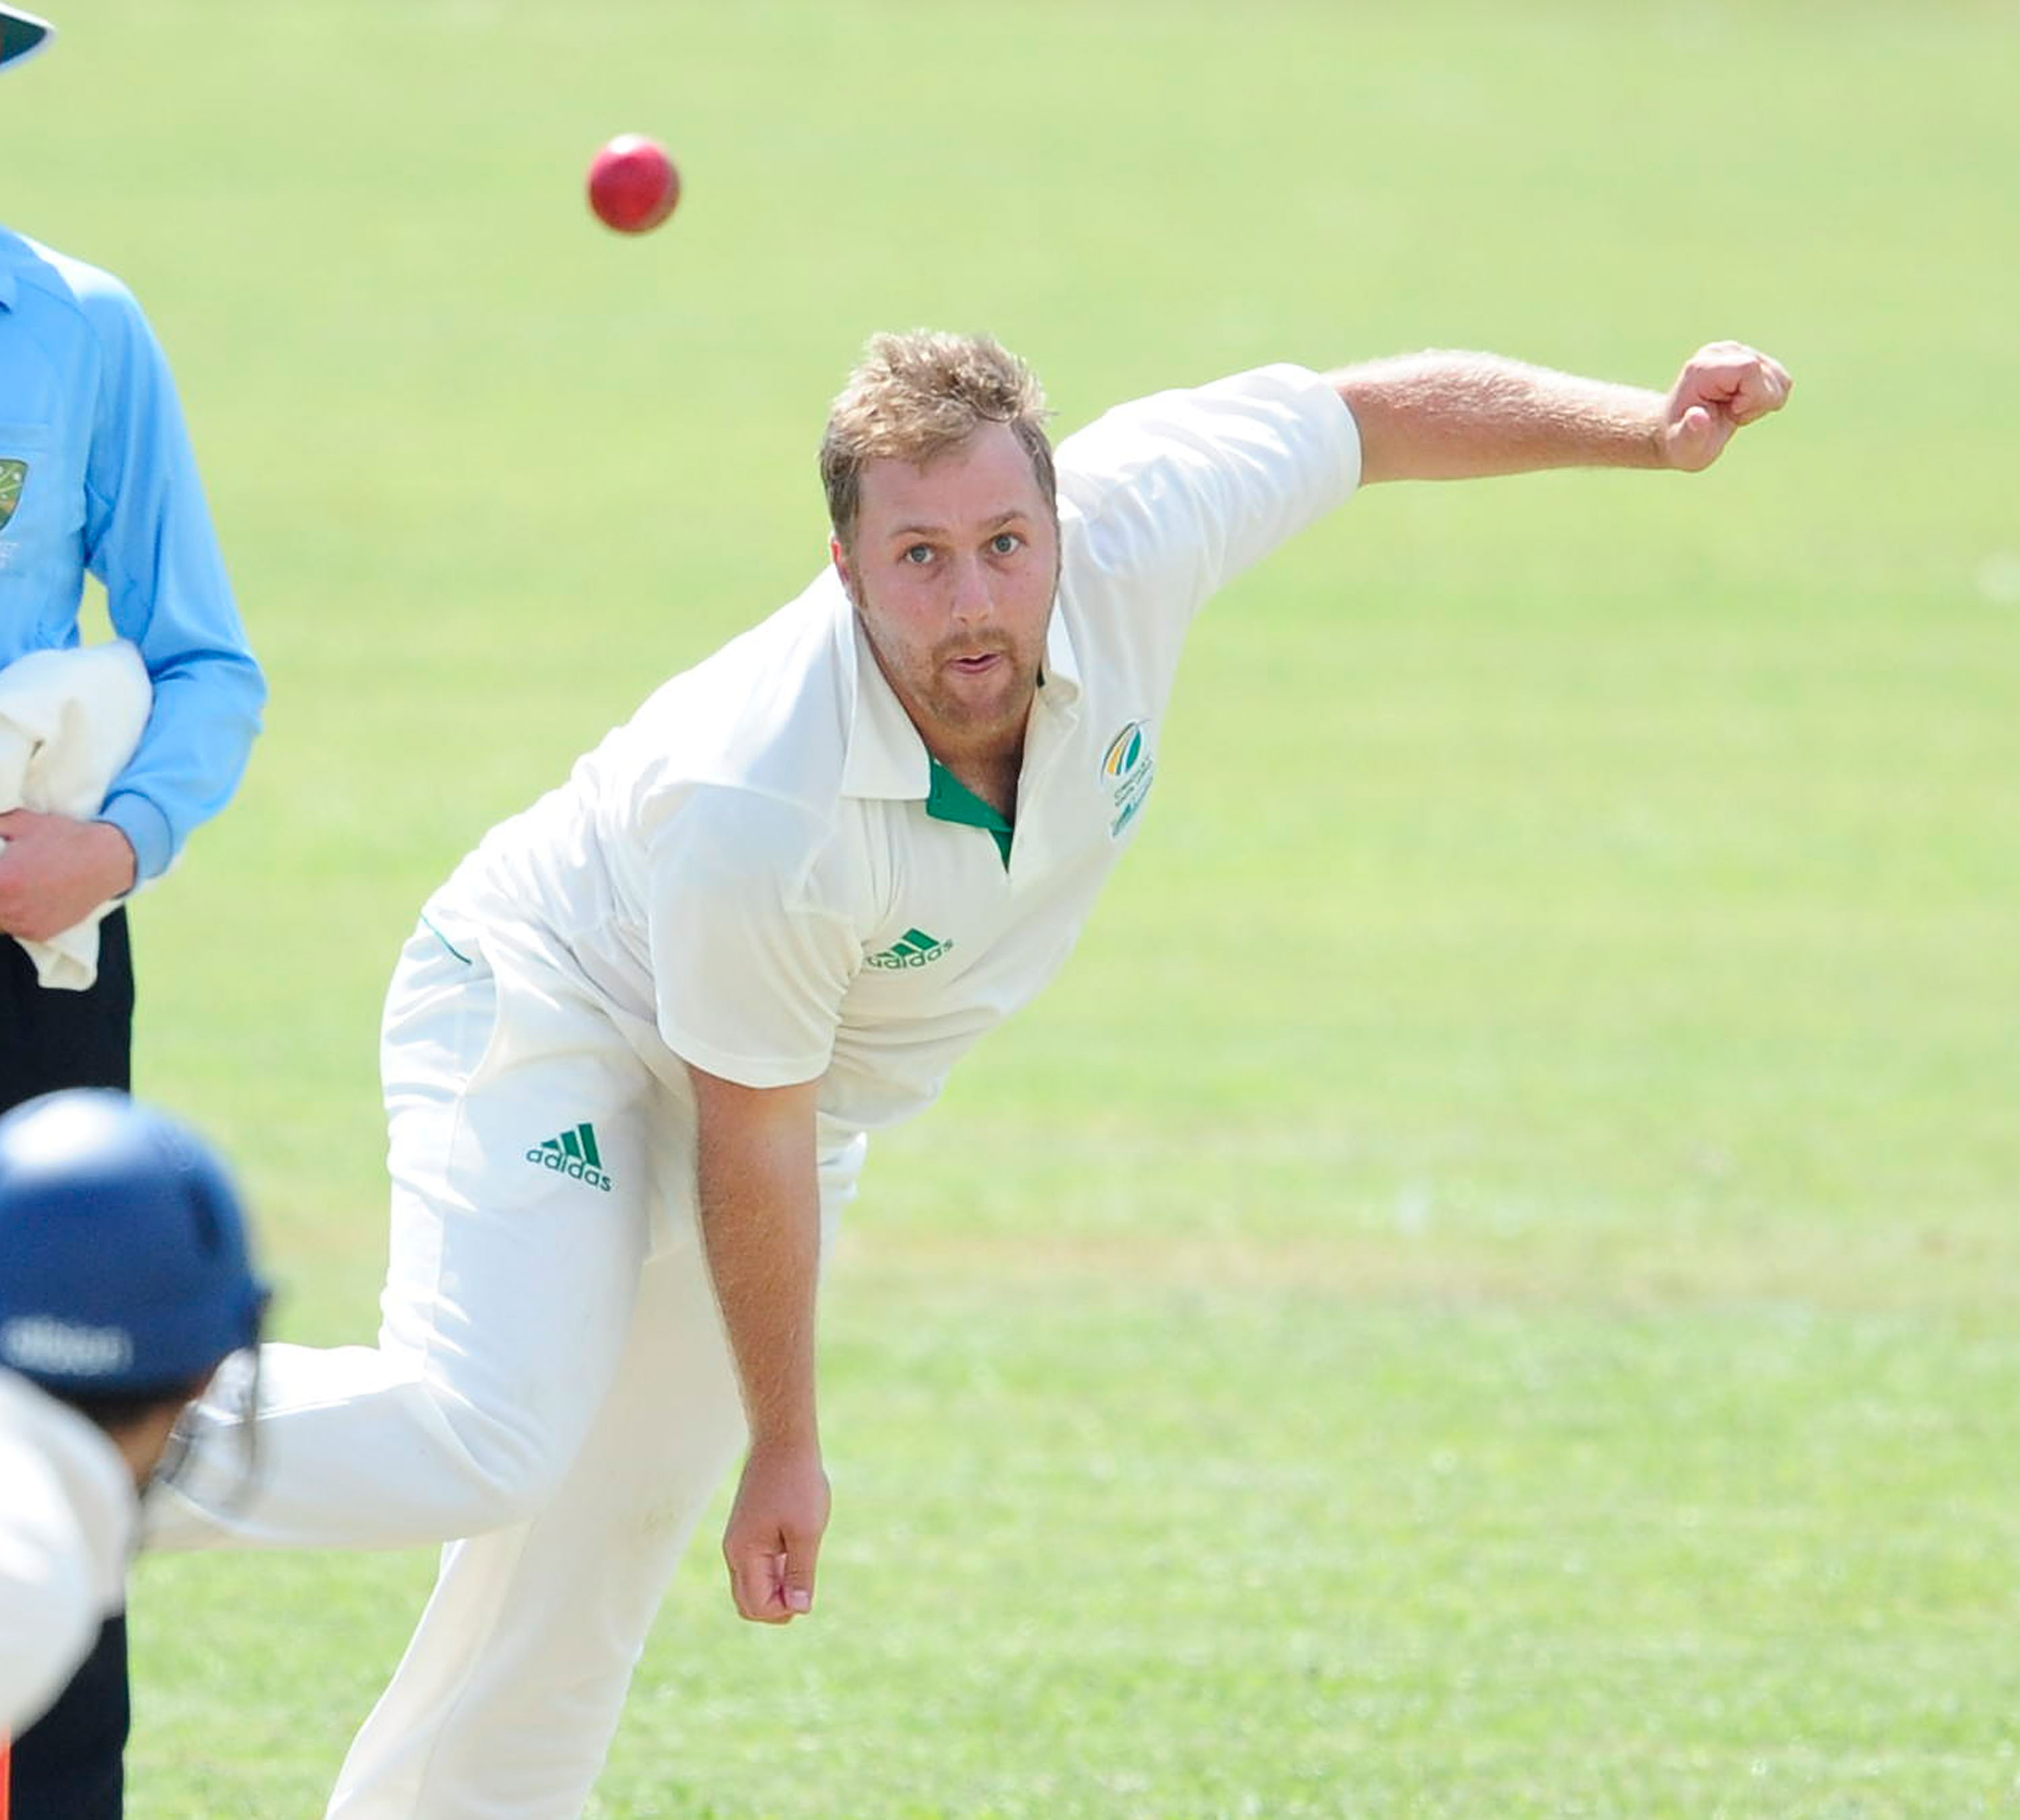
{"x":21,"y":33}
{"x":124,"y":1262}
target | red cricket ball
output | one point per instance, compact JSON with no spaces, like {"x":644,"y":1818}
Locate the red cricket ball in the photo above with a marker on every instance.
{"x":632,"y":184}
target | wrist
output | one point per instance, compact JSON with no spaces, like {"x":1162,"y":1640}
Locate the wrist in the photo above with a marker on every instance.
{"x":115,"y":853}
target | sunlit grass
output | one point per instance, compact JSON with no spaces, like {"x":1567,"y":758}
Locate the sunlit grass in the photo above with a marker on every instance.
{"x":1487,"y":1289}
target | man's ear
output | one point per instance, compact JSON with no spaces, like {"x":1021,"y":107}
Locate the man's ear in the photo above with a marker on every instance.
{"x":840,"y":557}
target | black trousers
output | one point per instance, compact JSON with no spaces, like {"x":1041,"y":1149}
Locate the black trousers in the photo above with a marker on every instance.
{"x":50,"y":1040}
{"x":71,"y":1763}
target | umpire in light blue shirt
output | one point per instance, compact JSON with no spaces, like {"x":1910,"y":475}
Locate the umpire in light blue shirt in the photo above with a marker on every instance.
{"x":96,"y":475}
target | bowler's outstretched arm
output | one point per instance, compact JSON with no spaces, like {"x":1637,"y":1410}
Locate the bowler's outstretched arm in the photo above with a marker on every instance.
{"x":1462,"y":416}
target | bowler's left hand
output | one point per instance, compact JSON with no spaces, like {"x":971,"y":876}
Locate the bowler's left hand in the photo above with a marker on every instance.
{"x":1722,"y":387}
{"x":55,"y":870}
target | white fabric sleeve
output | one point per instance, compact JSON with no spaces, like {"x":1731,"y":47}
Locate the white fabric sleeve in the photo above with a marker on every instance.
{"x":749,"y":967}
{"x":49,"y":1595}
{"x":1186,"y":489}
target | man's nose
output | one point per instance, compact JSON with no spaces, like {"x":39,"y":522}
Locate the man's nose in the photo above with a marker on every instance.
{"x":972,"y":598}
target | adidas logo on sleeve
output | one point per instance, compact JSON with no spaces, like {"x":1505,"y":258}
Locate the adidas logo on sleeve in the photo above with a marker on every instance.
{"x":575,"y":1155}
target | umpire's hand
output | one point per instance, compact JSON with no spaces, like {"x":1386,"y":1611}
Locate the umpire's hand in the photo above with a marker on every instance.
{"x":55,"y":870}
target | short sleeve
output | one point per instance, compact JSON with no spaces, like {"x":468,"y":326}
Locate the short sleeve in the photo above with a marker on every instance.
{"x":1186,"y":489}
{"x":750,"y":966}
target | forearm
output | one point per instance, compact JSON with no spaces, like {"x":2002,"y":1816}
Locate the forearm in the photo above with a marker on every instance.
{"x":760,"y":1230}
{"x":761,"y":1227}
{"x":1460,"y":416}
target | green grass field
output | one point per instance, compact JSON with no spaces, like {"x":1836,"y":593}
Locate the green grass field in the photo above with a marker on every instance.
{"x":1488,"y":1290}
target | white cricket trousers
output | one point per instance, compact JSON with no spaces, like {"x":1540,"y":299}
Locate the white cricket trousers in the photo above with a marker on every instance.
{"x":547,"y":1386}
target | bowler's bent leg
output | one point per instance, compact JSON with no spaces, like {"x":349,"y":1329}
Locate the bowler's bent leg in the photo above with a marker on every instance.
{"x":514,"y":1263}
{"x":505,"y":1705}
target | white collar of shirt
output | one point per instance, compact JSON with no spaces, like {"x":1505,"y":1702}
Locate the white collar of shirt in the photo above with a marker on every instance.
{"x":886,"y":756}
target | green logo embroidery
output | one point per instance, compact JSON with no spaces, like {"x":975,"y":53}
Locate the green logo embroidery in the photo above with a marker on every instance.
{"x":914,"y":948}
{"x":1128,"y":770}
{"x":575,"y":1155}
{"x":13,"y":474}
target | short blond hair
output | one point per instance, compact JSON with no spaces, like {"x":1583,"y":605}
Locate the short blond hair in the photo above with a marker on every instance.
{"x":915,"y":396}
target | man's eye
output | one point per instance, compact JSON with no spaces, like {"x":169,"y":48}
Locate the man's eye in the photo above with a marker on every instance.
{"x":1006,"y":543}
{"x":918,"y":555}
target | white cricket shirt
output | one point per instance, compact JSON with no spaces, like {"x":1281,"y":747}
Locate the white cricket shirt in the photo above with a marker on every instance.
{"x":750,"y":871}
{"x":67,"y":1512}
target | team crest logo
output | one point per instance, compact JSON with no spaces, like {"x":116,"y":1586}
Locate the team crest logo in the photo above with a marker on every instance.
{"x":1127,"y":769}
{"x":12,"y":473}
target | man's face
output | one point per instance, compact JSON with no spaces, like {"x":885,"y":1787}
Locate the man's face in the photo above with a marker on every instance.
{"x":953,"y":571}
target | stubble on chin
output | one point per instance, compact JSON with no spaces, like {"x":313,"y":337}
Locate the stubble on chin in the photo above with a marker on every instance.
{"x":1003,"y":711}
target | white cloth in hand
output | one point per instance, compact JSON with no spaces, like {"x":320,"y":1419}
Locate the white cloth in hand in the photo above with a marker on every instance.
{"x":69,"y":721}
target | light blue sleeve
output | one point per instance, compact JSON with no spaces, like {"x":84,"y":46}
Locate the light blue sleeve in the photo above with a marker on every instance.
{"x":148,"y":537}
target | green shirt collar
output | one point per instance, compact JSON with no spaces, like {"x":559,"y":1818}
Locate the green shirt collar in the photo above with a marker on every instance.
{"x":949,"y":800}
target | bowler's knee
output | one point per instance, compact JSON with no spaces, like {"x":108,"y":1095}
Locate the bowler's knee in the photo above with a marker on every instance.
{"x":507,"y":1466}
